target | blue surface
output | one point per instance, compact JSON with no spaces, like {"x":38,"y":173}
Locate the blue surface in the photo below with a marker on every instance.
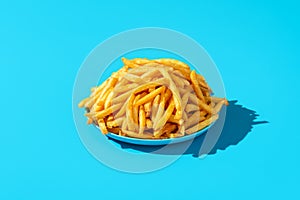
{"x":255,"y":45}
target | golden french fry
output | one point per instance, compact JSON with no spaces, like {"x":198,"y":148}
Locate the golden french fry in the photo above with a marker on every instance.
{"x":160,"y":123}
{"x":168,"y":95}
{"x":81,"y":104}
{"x":102,"y":126}
{"x":155,"y":106}
{"x":142,"y":119}
{"x":161,"y":108}
{"x":129,"y":114}
{"x":129,"y":63}
{"x":108,"y":100}
{"x":147,"y":107}
{"x":107,"y":111}
{"x":140,"y":61}
{"x":218,"y":106}
{"x":136,"y":109}
{"x":101,"y":100}
{"x":201,"y":125}
{"x":149,"y":97}
{"x":196,"y":86}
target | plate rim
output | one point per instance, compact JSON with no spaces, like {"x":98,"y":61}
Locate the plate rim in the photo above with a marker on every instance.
{"x":156,"y":142}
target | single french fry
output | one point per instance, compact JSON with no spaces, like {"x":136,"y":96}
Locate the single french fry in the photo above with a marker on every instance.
{"x":196,"y":86}
{"x":107,"y":111}
{"x":108,"y":100}
{"x":147,"y":107}
{"x":218,"y":107}
{"x":160,"y":123}
{"x":161,"y":108}
{"x":81,"y":104}
{"x":168,"y":95}
{"x":102,"y":126}
{"x":155,"y":106}
{"x":129,"y":63}
{"x":149,"y":97}
{"x":129,"y":113}
{"x":142,"y":120}
{"x":201,"y":125}
{"x":145,"y":87}
{"x":101,"y":100}
{"x":141,"y":61}
{"x":135,"y":111}
{"x":172,"y":63}
{"x":217,"y":100}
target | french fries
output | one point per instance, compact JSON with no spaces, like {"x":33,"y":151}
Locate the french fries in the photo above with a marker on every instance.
{"x":152,"y":99}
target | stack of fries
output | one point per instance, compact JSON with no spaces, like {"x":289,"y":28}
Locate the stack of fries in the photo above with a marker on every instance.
{"x":153,"y":99}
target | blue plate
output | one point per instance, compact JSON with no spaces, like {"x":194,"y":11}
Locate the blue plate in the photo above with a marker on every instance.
{"x":155,"y":142}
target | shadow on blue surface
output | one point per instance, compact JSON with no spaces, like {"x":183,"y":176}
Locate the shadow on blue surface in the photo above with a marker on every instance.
{"x":238,"y":123}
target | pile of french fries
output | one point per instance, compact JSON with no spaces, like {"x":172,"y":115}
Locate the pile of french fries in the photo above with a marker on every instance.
{"x":152,"y":99}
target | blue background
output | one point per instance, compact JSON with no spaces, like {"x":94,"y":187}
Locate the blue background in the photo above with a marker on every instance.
{"x":42,"y":45}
